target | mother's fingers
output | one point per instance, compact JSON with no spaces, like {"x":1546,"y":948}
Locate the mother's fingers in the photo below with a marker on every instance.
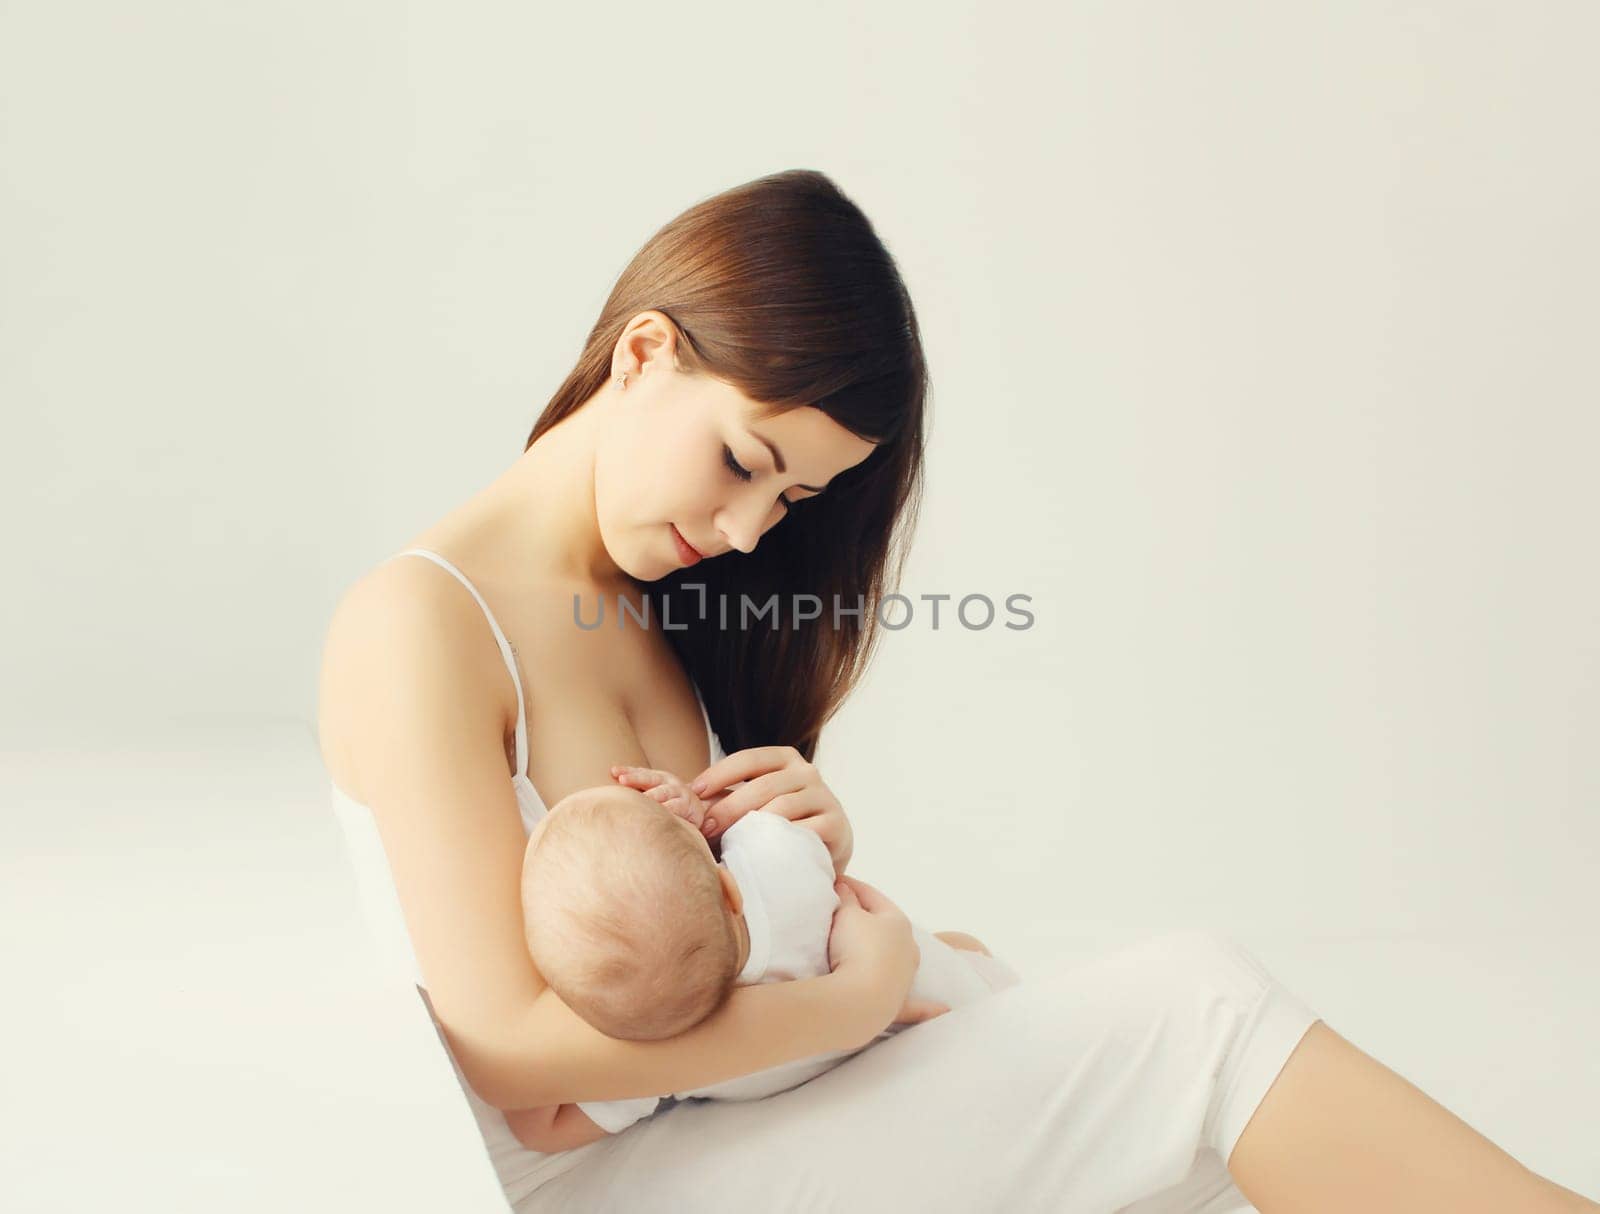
{"x":757,"y":793}
{"x":744,"y":764}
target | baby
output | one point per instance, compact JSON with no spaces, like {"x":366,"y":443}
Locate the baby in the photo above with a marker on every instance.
{"x":632,"y":920}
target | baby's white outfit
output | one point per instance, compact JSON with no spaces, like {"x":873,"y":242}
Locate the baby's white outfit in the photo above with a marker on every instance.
{"x":786,"y":877}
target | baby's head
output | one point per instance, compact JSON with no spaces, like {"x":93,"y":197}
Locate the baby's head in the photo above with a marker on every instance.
{"x":629,"y":918}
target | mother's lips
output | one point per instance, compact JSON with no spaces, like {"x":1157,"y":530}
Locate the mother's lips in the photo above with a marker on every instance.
{"x":695,"y":553}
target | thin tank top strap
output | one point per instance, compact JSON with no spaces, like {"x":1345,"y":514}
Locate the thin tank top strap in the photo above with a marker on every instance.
{"x":506,"y":651}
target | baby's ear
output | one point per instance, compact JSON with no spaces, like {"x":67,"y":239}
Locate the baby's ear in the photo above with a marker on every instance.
{"x":732,"y":896}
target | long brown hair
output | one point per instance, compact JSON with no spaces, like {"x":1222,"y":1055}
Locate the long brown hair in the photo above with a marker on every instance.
{"x":782,"y":288}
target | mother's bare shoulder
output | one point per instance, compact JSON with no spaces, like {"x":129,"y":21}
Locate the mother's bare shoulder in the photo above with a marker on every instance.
{"x":398,"y":611}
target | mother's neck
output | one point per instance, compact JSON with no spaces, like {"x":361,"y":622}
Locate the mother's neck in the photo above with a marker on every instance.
{"x":536,"y":521}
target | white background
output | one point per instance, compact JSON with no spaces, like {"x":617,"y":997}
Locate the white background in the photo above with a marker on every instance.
{"x":1262,"y":340}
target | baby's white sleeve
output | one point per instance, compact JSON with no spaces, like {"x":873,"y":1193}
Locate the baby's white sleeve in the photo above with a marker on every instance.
{"x":614,"y":1116}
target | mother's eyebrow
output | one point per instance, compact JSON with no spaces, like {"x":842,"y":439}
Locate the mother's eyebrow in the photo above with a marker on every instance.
{"x":777,"y":458}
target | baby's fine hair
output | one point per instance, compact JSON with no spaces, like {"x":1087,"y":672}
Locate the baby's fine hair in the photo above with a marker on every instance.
{"x":625,"y":920}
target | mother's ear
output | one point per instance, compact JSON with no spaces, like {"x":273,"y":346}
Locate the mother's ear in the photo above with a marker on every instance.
{"x":648,"y":343}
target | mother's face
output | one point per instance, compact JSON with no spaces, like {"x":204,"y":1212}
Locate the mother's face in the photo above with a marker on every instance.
{"x":686,"y":453}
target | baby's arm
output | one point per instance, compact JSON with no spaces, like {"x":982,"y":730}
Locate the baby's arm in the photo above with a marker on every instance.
{"x":553,"y":1127}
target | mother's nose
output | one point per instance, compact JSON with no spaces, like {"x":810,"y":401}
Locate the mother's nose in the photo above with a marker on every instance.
{"x":743,"y":525}
{"x":741,"y":536}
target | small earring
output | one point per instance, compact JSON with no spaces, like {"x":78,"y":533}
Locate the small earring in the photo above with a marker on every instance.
{"x":622,"y":380}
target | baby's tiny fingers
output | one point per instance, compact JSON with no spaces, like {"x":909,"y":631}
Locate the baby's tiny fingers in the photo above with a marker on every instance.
{"x":646,"y":776}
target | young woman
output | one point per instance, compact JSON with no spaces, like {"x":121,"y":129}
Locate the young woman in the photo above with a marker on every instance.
{"x":746,"y":420}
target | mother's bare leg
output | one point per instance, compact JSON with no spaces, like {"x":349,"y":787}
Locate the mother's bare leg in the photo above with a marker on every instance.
{"x":1339,"y":1131}
{"x":966,"y":943}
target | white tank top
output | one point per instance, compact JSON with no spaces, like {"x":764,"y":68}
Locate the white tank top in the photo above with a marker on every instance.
{"x":520,"y":1170}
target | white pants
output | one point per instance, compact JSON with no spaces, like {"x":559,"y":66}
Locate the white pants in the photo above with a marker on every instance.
{"x":1120,"y":1084}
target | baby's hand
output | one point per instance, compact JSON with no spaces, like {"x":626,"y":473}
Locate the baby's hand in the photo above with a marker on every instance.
{"x":666,"y":788}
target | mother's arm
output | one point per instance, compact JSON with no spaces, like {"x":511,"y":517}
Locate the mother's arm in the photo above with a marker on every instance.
{"x":427,"y":749}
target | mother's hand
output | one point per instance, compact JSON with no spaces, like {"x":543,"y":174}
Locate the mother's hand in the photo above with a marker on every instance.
{"x":779,"y":780}
{"x":873,"y":937}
